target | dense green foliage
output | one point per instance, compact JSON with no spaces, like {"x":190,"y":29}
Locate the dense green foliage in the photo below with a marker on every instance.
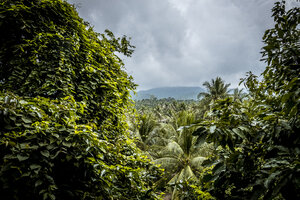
{"x":216,"y":89}
{"x":260,"y":136}
{"x":256,"y":136}
{"x":163,"y":133}
{"x":63,"y":94}
{"x":68,"y":130}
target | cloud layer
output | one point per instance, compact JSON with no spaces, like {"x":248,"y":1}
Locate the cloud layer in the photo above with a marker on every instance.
{"x":184,"y":43}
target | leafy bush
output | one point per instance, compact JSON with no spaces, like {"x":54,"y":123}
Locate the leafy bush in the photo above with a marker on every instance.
{"x":185,"y":190}
{"x":63,"y":94}
{"x":259,"y":158}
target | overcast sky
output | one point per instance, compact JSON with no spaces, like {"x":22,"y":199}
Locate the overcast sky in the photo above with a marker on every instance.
{"x":185,"y":42}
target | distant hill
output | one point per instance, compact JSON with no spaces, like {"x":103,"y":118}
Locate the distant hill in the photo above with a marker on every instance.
{"x":178,"y":93}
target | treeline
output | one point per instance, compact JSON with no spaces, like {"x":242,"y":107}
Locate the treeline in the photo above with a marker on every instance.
{"x":234,"y":146}
{"x":68,"y":129}
{"x":164,"y":130}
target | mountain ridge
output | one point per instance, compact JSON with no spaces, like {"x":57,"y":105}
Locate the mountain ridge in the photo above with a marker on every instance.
{"x":178,"y":93}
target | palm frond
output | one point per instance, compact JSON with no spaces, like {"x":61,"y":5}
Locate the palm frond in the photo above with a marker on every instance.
{"x":196,"y":162}
{"x":186,"y":141}
{"x":168,"y":163}
{"x":185,"y":174}
{"x":188,"y":174}
{"x":173,"y":149}
{"x":202,"y":94}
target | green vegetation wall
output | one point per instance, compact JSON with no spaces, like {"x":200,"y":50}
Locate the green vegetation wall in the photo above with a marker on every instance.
{"x":260,"y":140}
{"x":63,"y":94}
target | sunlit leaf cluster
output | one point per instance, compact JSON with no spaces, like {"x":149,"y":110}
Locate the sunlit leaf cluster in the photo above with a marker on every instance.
{"x":63,"y":97}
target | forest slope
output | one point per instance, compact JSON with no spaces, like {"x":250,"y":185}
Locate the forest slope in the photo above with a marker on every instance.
{"x":178,"y":93}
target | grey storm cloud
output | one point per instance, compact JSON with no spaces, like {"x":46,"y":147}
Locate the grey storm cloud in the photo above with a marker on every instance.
{"x":184,"y":43}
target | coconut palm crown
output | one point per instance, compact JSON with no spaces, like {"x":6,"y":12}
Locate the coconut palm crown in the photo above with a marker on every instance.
{"x":216,"y":89}
{"x":181,"y":158}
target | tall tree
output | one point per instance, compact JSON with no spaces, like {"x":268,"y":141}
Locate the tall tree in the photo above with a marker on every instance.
{"x":146,"y":124}
{"x":260,"y":137}
{"x":182,"y":159}
{"x":238,"y":94}
{"x":63,"y":94}
{"x":216,"y":89}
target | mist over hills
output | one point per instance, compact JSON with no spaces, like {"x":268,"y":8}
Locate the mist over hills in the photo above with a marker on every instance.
{"x":178,"y":93}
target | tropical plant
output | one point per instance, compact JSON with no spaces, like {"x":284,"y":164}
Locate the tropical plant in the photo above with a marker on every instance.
{"x":146,"y":123}
{"x":181,"y":159}
{"x":216,"y":89}
{"x":183,"y":118}
{"x":63,"y":94}
{"x":238,"y":94}
{"x":260,"y":139}
{"x":163,"y":134}
{"x":191,"y":191}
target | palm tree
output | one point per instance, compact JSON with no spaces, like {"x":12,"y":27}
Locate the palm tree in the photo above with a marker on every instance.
{"x":163,"y":134}
{"x":181,"y":159}
{"x":183,"y":118}
{"x":238,"y":95}
{"x":145,"y":125}
{"x":217,"y":89}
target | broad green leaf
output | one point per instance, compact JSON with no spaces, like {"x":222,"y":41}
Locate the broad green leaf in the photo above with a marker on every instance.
{"x":197,"y":162}
{"x":45,"y":153}
{"x":26,"y":120}
{"x":239,"y":133}
{"x":34,"y":166}
{"x":22,"y":157}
